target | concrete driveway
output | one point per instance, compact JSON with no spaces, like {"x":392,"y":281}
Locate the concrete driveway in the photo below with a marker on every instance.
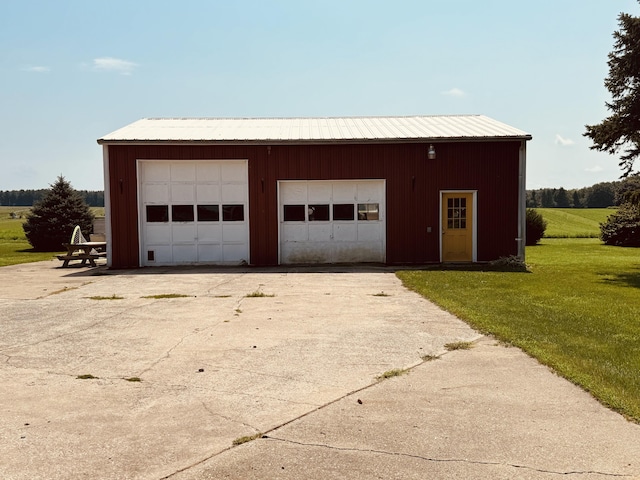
{"x":153,"y":374}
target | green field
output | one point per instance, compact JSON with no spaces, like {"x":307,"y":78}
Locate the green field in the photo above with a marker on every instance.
{"x":14,"y":248}
{"x":574,"y":222}
{"x":576,"y":310}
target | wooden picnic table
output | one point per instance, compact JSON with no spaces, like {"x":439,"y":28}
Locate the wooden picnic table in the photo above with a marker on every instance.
{"x":83,"y":252}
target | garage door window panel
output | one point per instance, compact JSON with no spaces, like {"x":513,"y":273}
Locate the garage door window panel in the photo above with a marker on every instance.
{"x":343,"y":211}
{"x":157,"y":213}
{"x":368,"y":212}
{"x":233,"y":213}
{"x":208,"y":213}
{"x":182,"y":213}
{"x":294,"y":213}
{"x":318,"y":213}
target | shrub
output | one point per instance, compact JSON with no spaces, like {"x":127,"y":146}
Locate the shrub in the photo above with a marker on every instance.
{"x":536,"y":225}
{"x":511,"y":263}
{"x":52,"y":220}
{"x":622,"y":228}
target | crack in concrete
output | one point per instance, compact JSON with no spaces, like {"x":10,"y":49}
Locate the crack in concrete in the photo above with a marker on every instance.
{"x":56,"y":337}
{"x":229,"y":419}
{"x":225,"y":282}
{"x":444,"y":460}
{"x":73,"y":332}
{"x":166,"y":354}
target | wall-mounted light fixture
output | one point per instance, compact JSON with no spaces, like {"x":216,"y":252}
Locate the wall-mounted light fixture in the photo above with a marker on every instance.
{"x":431,"y":154}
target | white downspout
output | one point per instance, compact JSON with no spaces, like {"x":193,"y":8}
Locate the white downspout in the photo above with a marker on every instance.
{"x":522,"y":200}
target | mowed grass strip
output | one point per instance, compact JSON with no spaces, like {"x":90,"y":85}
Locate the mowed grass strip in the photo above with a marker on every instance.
{"x":574,"y":222}
{"x":14,"y":248}
{"x":577,"y":311}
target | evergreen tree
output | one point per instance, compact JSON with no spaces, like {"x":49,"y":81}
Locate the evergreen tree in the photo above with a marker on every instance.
{"x":546,"y":198}
{"x":577,"y":203}
{"x":52,"y":220}
{"x":536,"y":225}
{"x":561,"y":198}
{"x":622,"y":128}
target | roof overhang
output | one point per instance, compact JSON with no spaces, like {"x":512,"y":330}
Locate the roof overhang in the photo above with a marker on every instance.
{"x":314,"y":131}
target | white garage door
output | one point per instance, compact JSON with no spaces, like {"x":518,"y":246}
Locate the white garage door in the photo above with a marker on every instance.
{"x":193,"y":212}
{"x":339,"y":221}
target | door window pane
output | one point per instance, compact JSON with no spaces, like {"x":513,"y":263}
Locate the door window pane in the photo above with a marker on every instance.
{"x":233,"y":213}
{"x":182,"y":213}
{"x":208,"y":213}
{"x":343,"y":211}
{"x":457,"y":213}
{"x":318,"y":213}
{"x":294,"y":213}
{"x":157,"y":213}
{"x":368,"y":211}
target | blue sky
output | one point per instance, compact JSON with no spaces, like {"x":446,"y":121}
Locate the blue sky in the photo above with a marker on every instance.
{"x":72,"y":71}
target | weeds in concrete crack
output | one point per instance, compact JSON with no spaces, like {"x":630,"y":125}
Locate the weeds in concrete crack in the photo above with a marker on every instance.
{"x":112,"y":297}
{"x":86,"y":376}
{"x":259,"y":294}
{"x":396,"y":372}
{"x":458,"y":346}
{"x":429,"y":358}
{"x":250,"y":438}
{"x":167,"y":295}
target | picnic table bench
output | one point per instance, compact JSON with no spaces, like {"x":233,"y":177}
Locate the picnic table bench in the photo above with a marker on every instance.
{"x":84,"y":252}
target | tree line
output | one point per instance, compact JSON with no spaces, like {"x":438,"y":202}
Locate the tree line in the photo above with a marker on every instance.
{"x":600,"y":195}
{"x":26,"y":198}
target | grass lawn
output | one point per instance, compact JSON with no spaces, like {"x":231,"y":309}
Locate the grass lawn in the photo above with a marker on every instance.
{"x":14,"y":248}
{"x":574,"y":222}
{"x":577,"y":311}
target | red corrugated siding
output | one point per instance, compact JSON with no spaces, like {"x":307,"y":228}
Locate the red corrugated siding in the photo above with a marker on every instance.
{"x":412,"y":198}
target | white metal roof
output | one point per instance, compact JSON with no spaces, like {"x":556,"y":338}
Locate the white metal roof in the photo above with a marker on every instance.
{"x":314,"y":130}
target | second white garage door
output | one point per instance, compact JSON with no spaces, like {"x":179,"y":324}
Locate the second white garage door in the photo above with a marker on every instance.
{"x":339,"y":221}
{"x":193,"y":212}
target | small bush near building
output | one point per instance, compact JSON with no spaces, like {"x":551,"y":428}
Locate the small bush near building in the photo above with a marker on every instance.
{"x":622,"y":228}
{"x":52,"y":220}
{"x":536,"y":225}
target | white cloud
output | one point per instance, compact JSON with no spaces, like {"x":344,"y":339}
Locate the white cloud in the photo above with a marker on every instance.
{"x":565,"y":142}
{"x":454,"y":92}
{"x":117,"y":65}
{"x":37,"y":69}
{"x":594,"y":169}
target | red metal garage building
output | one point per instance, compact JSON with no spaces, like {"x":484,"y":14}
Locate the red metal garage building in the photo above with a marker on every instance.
{"x":269,"y":191}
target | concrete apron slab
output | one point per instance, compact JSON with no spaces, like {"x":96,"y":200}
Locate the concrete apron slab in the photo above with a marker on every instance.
{"x":488,"y":413}
{"x":221,"y":362}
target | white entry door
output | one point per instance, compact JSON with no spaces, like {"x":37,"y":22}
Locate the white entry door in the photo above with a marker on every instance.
{"x":338,"y":221}
{"x":193,"y":212}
